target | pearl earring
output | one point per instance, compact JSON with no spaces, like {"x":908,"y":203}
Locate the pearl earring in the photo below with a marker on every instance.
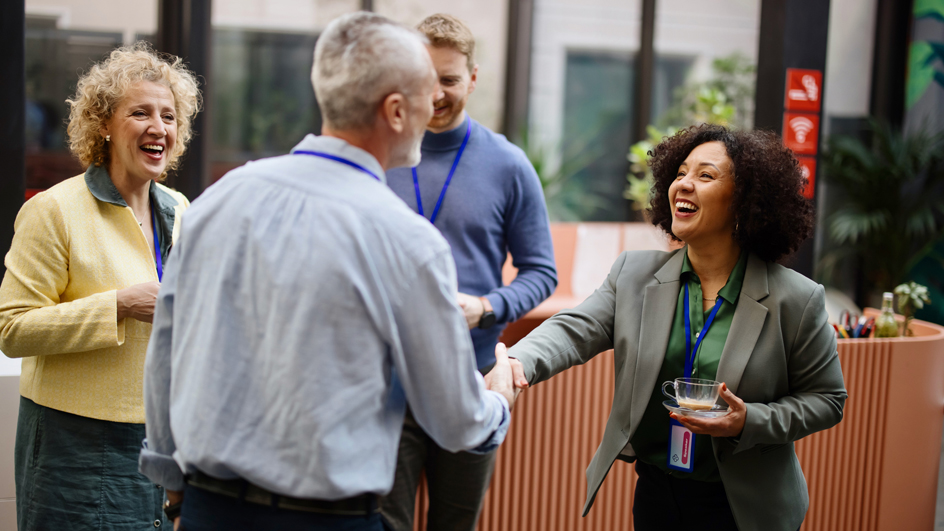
{"x":107,"y":138}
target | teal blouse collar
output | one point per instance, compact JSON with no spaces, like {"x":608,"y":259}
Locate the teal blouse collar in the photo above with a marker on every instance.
{"x":102,"y":188}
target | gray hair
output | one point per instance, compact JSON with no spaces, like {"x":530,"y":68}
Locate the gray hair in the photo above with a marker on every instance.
{"x":360,"y":59}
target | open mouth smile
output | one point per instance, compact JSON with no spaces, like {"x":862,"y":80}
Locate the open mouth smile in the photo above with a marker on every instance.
{"x":155,"y":151}
{"x":685,"y":207}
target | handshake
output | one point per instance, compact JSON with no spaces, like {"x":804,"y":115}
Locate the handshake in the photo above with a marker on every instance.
{"x":507,"y":376}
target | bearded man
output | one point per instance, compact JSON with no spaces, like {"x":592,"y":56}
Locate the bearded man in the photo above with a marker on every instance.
{"x":484,"y":196}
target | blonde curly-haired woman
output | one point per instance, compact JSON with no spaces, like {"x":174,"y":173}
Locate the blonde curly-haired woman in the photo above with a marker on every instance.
{"x":78,"y":296}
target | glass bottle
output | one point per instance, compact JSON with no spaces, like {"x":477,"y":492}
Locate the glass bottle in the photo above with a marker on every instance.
{"x":886,"y":325}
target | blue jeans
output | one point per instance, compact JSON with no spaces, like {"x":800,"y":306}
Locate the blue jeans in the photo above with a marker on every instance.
{"x":206,"y":511}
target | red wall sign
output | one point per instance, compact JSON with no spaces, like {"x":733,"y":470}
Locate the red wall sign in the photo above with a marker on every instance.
{"x":801,"y":132}
{"x":804,"y":90}
{"x":808,"y":167}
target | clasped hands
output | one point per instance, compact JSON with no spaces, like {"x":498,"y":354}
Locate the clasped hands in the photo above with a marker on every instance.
{"x":506,"y":376}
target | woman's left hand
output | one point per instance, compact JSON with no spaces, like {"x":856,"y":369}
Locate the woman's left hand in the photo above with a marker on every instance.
{"x":730,"y":425}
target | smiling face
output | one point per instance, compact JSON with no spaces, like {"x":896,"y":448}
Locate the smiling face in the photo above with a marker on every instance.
{"x":456,"y":82}
{"x":701,"y":195}
{"x":143,"y":131}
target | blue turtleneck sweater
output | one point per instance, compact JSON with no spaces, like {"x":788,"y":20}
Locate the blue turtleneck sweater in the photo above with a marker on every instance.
{"x":494,"y":205}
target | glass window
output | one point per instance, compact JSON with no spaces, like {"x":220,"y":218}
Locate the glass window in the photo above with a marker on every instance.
{"x":261,"y":102}
{"x":580,"y":108}
{"x":63,"y":39}
{"x":706,"y":56}
{"x":598,"y":91}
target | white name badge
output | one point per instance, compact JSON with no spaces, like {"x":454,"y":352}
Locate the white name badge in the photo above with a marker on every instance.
{"x":681,"y":447}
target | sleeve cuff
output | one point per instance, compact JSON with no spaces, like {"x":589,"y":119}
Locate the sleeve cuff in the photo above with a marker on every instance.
{"x":498,"y":436}
{"x":161,"y":469}
{"x":498,"y":306}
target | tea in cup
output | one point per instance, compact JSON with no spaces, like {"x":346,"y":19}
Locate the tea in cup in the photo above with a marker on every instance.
{"x":696,"y":394}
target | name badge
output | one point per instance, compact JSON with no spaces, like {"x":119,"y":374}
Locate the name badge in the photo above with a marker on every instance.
{"x":681,"y":447}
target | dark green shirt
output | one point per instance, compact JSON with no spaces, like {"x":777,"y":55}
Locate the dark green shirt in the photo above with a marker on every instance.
{"x":651,"y":439}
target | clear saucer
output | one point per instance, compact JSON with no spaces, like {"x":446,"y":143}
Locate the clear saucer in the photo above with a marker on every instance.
{"x":715,"y":412}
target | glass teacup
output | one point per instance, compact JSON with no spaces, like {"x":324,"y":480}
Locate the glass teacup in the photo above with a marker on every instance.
{"x":696,"y":394}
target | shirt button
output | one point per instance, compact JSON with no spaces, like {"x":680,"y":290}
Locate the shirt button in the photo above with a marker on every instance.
{"x":157,"y":523}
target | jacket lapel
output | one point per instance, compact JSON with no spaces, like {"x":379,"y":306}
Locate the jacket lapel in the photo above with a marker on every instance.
{"x":658,"y":309}
{"x":746,"y":326}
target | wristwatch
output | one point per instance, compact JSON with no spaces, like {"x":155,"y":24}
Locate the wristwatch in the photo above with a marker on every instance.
{"x":488,"y":318}
{"x":172,"y":510}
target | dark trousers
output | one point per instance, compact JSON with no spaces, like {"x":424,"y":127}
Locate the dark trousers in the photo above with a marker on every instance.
{"x":206,"y":511}
{"x":457,"y":483}
{"x":670,"y":503}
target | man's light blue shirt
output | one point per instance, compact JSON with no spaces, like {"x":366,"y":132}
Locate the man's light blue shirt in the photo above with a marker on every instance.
{"x":302,"y":306}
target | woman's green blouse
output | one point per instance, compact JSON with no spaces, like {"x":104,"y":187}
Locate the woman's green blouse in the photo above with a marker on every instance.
{"x":651,"y":439}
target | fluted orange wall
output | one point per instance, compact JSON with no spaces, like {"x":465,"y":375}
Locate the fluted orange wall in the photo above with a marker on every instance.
{"x":875,"y":471}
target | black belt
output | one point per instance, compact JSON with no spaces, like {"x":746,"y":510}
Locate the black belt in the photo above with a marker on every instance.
{"x":241,"y":489}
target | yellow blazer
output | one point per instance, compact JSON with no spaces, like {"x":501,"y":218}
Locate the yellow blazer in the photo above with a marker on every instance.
{"x":74,"y":246}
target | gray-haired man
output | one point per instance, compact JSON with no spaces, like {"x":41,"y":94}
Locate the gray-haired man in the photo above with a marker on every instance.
{"x":304,"y":305}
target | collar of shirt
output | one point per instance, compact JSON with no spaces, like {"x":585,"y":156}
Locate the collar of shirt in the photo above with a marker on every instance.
{"x":448,"y":140}
{"x":101,"y":187}
{"x":731,"y":289}
{"x":340,"y":148}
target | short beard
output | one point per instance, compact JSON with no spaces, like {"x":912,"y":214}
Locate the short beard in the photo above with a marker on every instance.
{"x":407,"y":155}
{"x":416,"y":153}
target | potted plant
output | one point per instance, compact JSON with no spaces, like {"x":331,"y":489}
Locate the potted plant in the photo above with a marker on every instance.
{"x":891,"y":213}
{"x":911,"y":298}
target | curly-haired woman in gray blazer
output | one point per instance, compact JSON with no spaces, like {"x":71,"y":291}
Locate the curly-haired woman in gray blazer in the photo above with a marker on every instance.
{"x":735,"y":199}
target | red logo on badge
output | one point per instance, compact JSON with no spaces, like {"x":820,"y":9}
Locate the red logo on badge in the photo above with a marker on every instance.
{"x":686,"y":441}
{"x":804,"y":90}
{"x":801,"y":132}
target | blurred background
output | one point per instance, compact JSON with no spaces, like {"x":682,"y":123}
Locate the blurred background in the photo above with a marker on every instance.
{"x":584,"y":87}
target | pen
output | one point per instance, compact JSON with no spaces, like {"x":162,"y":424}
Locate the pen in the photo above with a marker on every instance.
{"x":858,"y":329}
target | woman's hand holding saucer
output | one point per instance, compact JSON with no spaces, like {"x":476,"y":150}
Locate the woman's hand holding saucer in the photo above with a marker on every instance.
{"x":730,"y":425}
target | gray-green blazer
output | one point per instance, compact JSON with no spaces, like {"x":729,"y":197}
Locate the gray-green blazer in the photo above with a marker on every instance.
{"x":780,"y":358}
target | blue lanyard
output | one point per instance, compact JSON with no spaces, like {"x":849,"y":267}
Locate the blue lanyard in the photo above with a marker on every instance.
{"x":442,"y":195}
{"x":689,"y":352}
{"x":336,"y":158}
{"x":157,"y":246}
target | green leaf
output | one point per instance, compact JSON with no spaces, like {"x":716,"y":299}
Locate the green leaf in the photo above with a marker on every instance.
{"x":851,"y":225}
{"x":920,"y":71}
{"x":929,"y":8}
{"x":920,"y":222}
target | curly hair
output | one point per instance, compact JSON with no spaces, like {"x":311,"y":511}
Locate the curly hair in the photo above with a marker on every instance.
{"x":772,"y":216}
{"x":100,"y":91}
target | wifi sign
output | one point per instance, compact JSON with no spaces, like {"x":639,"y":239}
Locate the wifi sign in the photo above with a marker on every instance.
{"x":801,"y":132}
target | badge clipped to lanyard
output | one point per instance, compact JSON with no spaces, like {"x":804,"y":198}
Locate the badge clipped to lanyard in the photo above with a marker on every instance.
{"x":681,"y":439}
